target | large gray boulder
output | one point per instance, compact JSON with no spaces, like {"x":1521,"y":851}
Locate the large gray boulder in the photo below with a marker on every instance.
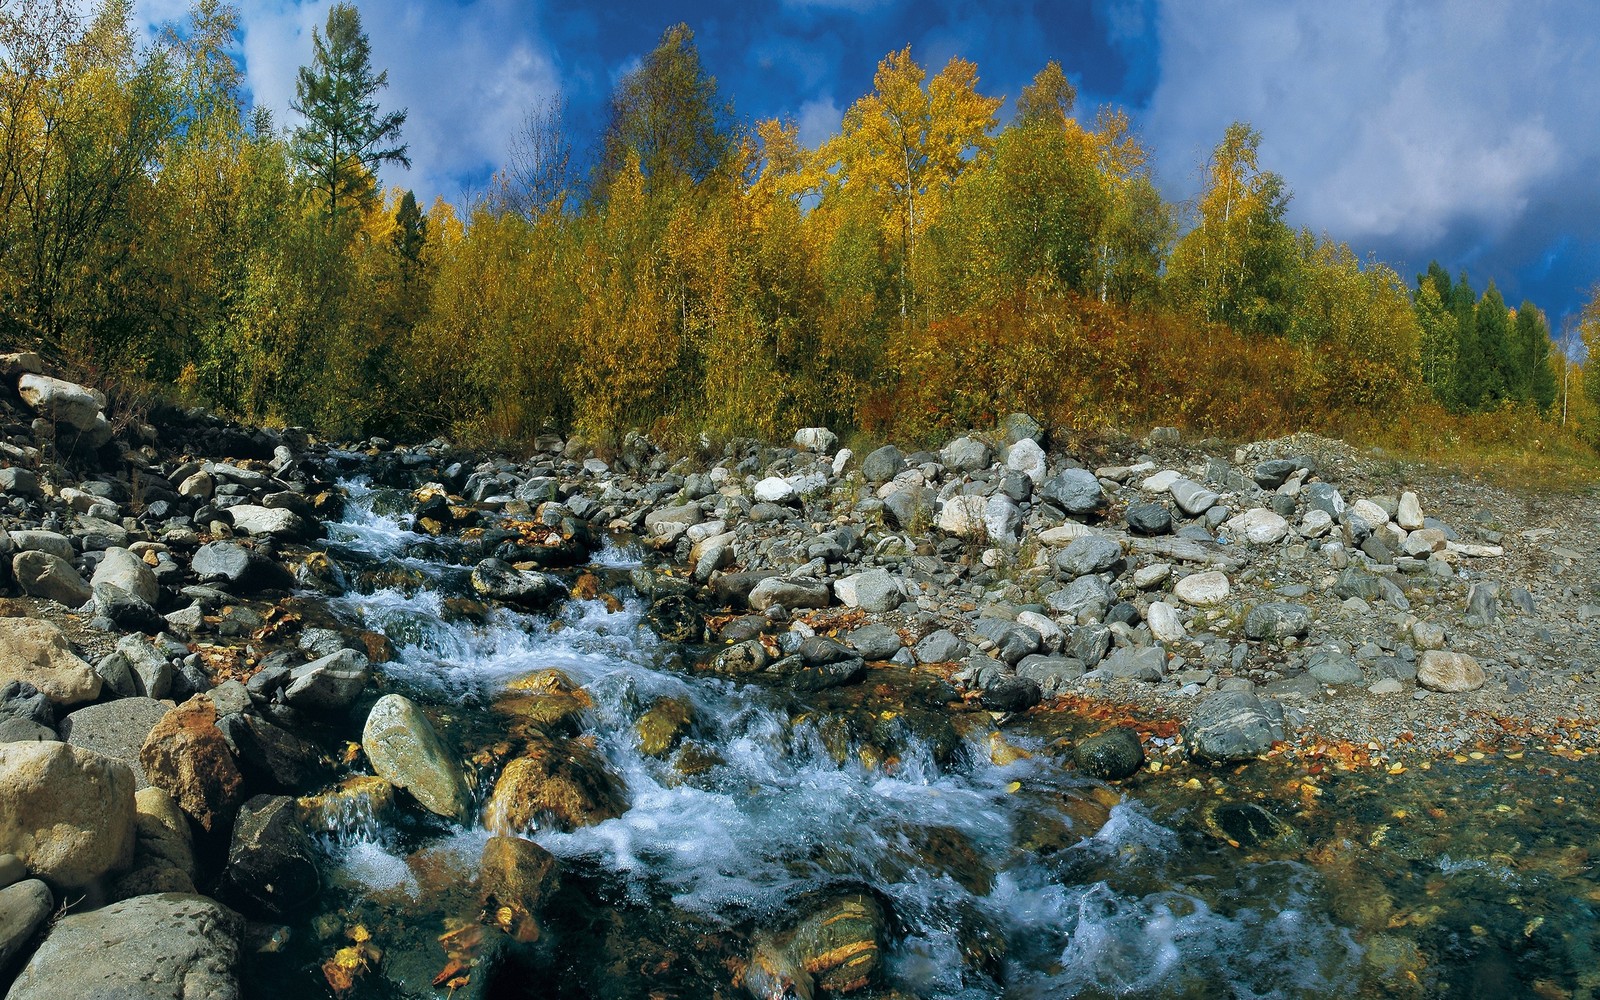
{"x":116,"y":729}
{"x":1229,"y":726}
{"x":966,"y":454}
{"x":243,"y":569}
{"x":790,"y":593}
{"x":65,"y":811}
{"x":500,"y":580}
{"x":883,"y":464}
{"x":171,"y":946}
{"x":272,"y":865}
{"x":406,"y":752}
{"x":1277,"y":620}
{"x":1075,"y":491}
{"x":1090,"y":554}
{"x":24,"y":907}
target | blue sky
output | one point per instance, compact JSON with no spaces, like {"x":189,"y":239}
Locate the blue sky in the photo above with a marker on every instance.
{"x":1463,"y":130}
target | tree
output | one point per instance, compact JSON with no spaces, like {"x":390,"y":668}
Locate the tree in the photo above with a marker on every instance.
{"x":1237,"y":265}
{"x":1534,"y":379}
{"x":345,"y":138}
{"x":667,"y":116}
{"x":904,"y":146}
{"x":538,"y":173}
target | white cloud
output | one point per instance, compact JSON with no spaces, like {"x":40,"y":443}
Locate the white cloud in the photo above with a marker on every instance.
{"x":1396,"y":123}
{"x":819,"y":119}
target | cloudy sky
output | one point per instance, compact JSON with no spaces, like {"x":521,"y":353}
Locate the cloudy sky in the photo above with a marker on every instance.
{"x":1462,"y":130}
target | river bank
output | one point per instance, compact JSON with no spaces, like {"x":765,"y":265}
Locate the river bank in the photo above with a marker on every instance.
{"x":252,"y":625}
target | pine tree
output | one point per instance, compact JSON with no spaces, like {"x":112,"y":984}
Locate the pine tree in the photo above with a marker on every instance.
{"x":1490,"y":374}
{"x":345,"y":138}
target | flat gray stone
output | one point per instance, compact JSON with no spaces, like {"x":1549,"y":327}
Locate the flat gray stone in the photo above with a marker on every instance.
{"x":116,"y":729}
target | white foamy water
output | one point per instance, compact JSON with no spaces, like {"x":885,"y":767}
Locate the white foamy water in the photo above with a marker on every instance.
{"x":778,"y":816}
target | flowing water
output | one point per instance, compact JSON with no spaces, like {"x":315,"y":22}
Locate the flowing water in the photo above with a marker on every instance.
{"x":1018,"y":879}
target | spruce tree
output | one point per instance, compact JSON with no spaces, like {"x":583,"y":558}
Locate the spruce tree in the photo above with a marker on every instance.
{"x":345,"y":138}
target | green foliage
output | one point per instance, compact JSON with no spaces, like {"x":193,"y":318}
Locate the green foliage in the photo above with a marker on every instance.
{"x":345,"y":137}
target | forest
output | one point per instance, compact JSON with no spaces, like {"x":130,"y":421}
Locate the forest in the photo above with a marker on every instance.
{"x":699,"y":276}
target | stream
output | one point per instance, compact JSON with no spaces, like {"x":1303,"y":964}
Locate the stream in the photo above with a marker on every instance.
{"x":996,"y":869}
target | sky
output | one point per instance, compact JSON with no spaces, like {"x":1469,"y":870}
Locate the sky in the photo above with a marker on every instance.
{"x":1466,"y":131}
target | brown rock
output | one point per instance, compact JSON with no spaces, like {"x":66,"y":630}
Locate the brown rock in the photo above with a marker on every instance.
{"x":563,"y":784}
{"x":68,"y":813}
{"x":519,"y":875}
{"x":35,"y":651}
{"x":1439,"y":670}
{"x":186,"y":755}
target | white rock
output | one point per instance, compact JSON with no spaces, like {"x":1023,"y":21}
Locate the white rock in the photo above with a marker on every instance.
{"x":1374,"y":516}
{"x":1452,"y":673}
{"x":1002,"y":518}
{"x":841,"y":460}
{"x":1027,"y":458}
{"x":705,"y":529}
{"x":1164,"y":622}
{"x":1259,"y":526}
{"x":1161,"y":482}
{"x":1427,"y":635}
{"x":774,"y":489}
{"x":1048,"y":630}
{"x":63,"y":402}
{"x":1065,"y":532}
{"x":907,"y":480}
{"x":1409,"y":516}
{"x":1147,"y":577}
{"x":963,"y":516}
{"x":817,"y":439}
{"x":266,"y":520}
{"x":1316,"y":523}
{"x":1423,"y":542}
{"x":1388,"y":685}
{"x":1193,"y":499}
{"x":1474,"y":550}
{"x":1203,"y":589}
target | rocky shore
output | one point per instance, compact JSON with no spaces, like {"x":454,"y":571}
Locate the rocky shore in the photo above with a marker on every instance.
{"x":180,"y":710}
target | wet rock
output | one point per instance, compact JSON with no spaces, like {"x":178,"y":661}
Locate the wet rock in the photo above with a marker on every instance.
{"x":1229,"y":726}
{"x":835,"y":949}
{"x":403,"y":749}
{"x":40,"y":574}
{"x":170,"y":946}
{"x":24,"y":907}
{"x":1149,"y":519}
{"x":563,"y":784}
{"x":116,"y":729}
{"x":676,"y":618}
{"x":1438,"y":670}
{"x":790,"y":593}
{"x":35,"y":652}
{"x":663,"y":726}
{"x":186,"y":755}
{"x":498,"y":579}
{"x":1248,"y":826}
{"x":1110,"y":756}
{"x":65,"y":811}
{"x":1277,"y":620}
{"x":270,"y":755}
{"x":549,"y":700}
{"x":244,"y":570}
{"x":330,"y":683}
{"x":1075,"y":491}
{"x":1012,"y":693}
{"x":820,"y":676}
{"x":272,"y":864}
{"x":1203,"y":590}
{"x":517,"y":873}
{"x":1084,"y":556}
